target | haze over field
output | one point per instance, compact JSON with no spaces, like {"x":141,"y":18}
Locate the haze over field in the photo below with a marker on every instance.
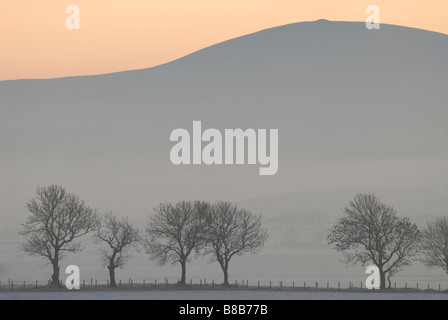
{"x":357,"y":111}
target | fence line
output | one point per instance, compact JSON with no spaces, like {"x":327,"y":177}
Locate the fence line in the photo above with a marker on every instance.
{"x":94,"y":284}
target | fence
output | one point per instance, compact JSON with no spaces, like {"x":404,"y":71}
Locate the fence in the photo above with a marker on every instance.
{"x":204,"y":284}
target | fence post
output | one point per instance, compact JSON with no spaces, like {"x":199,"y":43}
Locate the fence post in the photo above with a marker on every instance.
{"x":281,"y":284}
{"x":328,"y":285}
{"x":96,"y":284}
{"x":428,"y":287}
{"x":143,"y":283}
{"x":213,"y":283}
{"x":304,"y":284}
{"x":406,"y":285}
{"x":317,"y":285}
{"x":247,"y":284}
{"x":24,"y":284}
{"x":395,"y":285}
{"x":119,"y":284}
{"x":361,"y":285}
{"x":191,"y":282}
{"x":84,"y":283}
{"x":270,"y":284}
{"x":258,"y":284}
{"x":293,"y":284}
{"x":417,"y":285}
{"x":339,"y":285}
{"x":236,"y":283}
{"x":91,"y":281}
{"x":439,"y":286}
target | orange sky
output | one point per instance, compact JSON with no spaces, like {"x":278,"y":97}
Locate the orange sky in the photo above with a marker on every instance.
{"x":120,"y":35}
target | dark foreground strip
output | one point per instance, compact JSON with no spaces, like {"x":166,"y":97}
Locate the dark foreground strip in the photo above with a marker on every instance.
{"x":129,"y":310}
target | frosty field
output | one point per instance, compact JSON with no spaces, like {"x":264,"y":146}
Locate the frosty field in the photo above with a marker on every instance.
{"x":217,"y":295}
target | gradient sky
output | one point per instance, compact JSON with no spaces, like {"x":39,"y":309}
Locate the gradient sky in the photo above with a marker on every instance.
{"x":118,"y":35}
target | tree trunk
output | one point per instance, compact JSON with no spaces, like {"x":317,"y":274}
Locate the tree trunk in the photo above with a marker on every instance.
{"x":389,"y":282}
{"x":225,"y":270}
{"x":184,"y":273}
{"x":383,"y":279}
{"x":226,"y":273}
{"x":55,"y":276}
{"x":226,"y":277}
{"x":113,"y":283}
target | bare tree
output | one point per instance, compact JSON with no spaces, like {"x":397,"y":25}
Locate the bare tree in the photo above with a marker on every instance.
{"x":175,"y":232}
{"x":371,"y":232}
{"x":435,"y":244}
{"x":117,"y":237}
{"x":57,"y":220}
{"x":232,"y":232}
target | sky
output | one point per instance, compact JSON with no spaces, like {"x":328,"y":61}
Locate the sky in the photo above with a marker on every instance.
{"x":118,"y":35}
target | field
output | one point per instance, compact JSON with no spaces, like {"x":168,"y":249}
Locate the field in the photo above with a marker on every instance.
{"x":218,"y":295}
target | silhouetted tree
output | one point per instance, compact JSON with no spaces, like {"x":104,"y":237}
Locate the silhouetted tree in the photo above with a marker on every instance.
{"x":117,"y":237}
{"x":371,"y":232}
{"x":232,"y":232}
{"x":435,"y":244}
{"x":57,"y":220}
{"x":175,"y":232}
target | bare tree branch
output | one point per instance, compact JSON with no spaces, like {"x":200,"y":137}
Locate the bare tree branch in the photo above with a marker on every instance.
{"x":57,"y":219}
{"x":116,"y":238}
{"x":232,"y":232}
{"x":370,"y":231}
{"x":435,"y":244}
{"x":175,"y":232}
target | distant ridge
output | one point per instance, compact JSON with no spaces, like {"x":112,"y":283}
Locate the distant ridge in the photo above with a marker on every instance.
{"x":248,"y":35}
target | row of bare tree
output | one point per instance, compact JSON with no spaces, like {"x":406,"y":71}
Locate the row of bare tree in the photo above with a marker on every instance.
{"x":371,"y":232}
{"x":174,"y":234}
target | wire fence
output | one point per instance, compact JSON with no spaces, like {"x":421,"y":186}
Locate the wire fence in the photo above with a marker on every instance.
{"x":204,"y":284}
